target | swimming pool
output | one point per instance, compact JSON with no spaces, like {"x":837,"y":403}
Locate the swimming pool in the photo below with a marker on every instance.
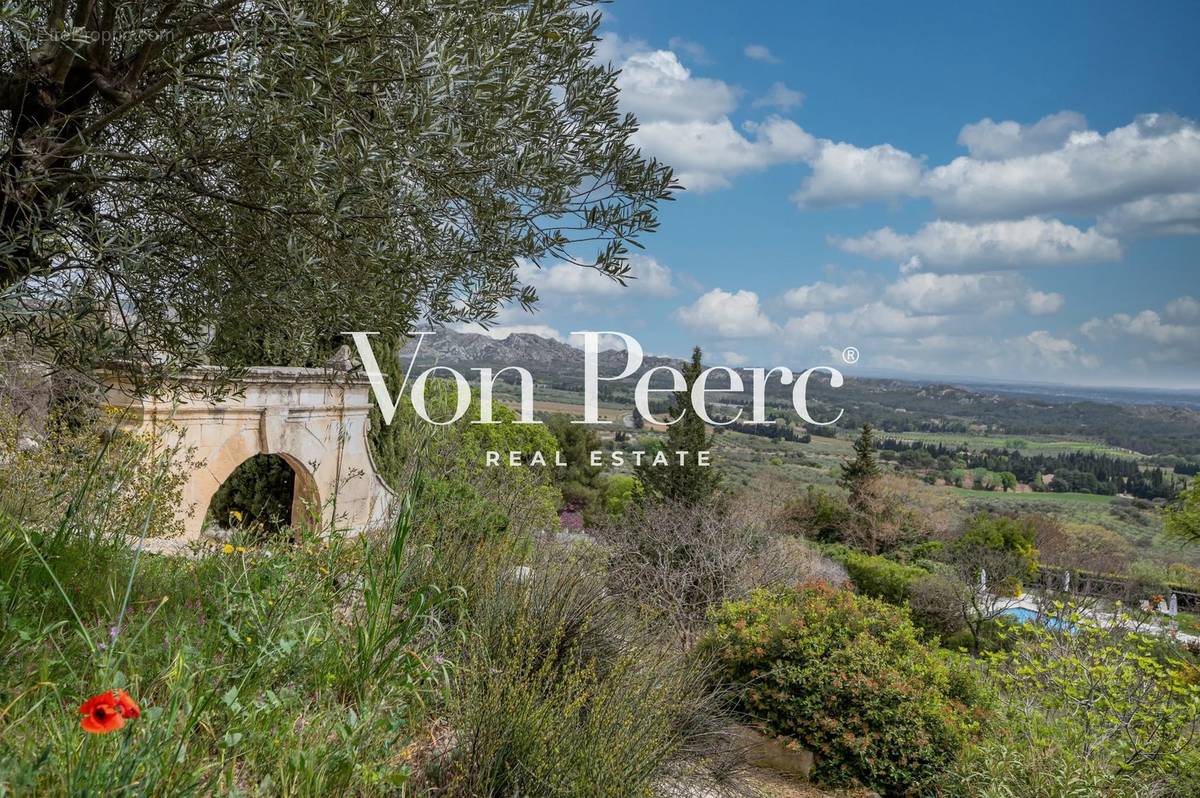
{"x":1025,"y":615}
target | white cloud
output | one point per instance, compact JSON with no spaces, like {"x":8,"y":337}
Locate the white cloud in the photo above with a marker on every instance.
{"x":694,"y":50}
{"x":950,"y":342}
{"x":654,"y":85}
{"x":809,"y":326}
{"x":1159,"y":215}
{"x":779,"y":96}
{"x":733,"y":359}
{"x":1041,"y":352}
{"x":706,"y":155}
{"x":914,"y":295}
{"x":760,"y":52}
{"x":822,"y":294}
{"x":960,"y":352}
{"x":612,"y":48}
{"x":1147,"y":324}
{"x":844,"y":174}
{"x":1185,"y":309}
{"x":1043,"y":303}
{"x":1090,"y":172}
{"x":944,"y":246}
{"x":928,"y":293}
{"x":988,"y":140}
{"x":880,"y":318}
{"x":684,"y":120}
{"x":727,"y":315}
{"x":1148,"y":336}
{"x":649,"y":278}
{"x":1140,"y":179}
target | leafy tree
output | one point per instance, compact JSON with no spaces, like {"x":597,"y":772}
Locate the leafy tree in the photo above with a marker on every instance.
{"x":859,"y":473}
{"x":1183,"y":517}
{"x":685,"y":481}
{"x":620,"y":493}
{"x":452,"y":458}
{"x":990,"y":561}
{"x":581,"y":482}
{"x":1087,"y":547}
{"x":1002,"y":533}
{"x":1099,"y":711}
{"x":244,"y":180}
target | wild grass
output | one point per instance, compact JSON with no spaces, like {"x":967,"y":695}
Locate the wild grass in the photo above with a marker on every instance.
{"x":256,"y":667}
{"x":254,"y":671}
{"x":424,"y":658}
{"x":561,"y":692}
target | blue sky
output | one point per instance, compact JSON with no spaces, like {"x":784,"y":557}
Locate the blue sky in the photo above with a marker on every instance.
{"x":999,"y":191}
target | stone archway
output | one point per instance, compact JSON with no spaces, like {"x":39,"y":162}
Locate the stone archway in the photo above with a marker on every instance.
{"x":275,"y":474}
{"x":315,"y":419}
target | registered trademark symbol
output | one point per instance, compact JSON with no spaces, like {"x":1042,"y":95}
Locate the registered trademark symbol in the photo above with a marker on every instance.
{"x":850,"y":355}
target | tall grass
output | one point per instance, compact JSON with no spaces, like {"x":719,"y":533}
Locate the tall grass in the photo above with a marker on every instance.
{"x":423,"y":659}
{"x":282,"y":669}
{"x":560,"y":693}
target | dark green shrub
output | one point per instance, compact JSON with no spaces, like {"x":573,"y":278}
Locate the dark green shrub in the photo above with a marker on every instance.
{"x":257,"y":493}
{"x":1005,"y":534}
{"x":877,"y":576}
{"x":847,"y":677}
{"x":456,"y":507}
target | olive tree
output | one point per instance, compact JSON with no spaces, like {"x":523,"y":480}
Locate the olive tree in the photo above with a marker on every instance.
{"x":243,"y":180}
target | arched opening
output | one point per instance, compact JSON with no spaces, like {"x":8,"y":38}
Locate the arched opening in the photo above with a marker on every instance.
{"x":266,"y":493}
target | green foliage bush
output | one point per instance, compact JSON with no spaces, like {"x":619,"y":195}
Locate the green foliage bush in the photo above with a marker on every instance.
{"x":1004,"y":534}
{"x":876,"y":575}
{"x":847,"y":677}
{"x":1098,"y":711}
{"x":89,"y":476}
{"x":620,"y":492}
{"x":581,"y":482}
{"x":1183,"y":517}
{"x":457,"y":508}
{"x":1006,"y":766}
{"x":283,"y":669}
{"x":69,"y":508}
{"x":452,"y":459}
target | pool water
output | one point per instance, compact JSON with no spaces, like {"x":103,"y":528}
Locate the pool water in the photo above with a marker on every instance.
{"x":1025,"y":615}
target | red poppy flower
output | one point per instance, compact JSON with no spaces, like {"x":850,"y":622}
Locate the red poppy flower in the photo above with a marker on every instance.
{"x":127,"y":706}
{"x":101,"y":714}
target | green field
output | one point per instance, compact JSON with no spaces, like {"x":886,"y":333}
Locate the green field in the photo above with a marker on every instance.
{"x":1024,"y":444}
{"x":1043,"y":498}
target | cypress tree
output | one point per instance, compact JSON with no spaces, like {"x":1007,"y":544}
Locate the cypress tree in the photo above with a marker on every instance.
{"x":857,"y":474}
{"x":688,"y":482}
